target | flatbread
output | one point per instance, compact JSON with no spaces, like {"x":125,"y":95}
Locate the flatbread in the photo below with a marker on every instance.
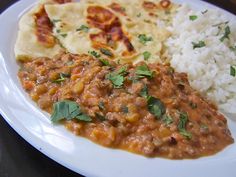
{"x":125,"y":44}
{"x":27,"y":45}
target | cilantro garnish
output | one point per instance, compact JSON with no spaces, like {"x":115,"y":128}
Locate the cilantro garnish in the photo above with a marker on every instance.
{"x":139,"y":15}
{"x":193,"y":105}
{"x":226,"y":34}
{"x":192,"y":17}
{"x":62,"y":78}
{"x":144,"y":92}
{"x":117,"y":78}
{"x":68,"y":110}
{"x":183,"y":119}
{"x":203,"y":126}
{"x":54,"y":21}
{"x":63,"y":35}
{"x":233,"y":48}
{"x":106,"y":52}
{"x":100,"y":117}
{"x":101,"y":105}
{"x":123,"y":9}
{"x":167,"y":119}
{"x":94,"y":53}
{"x":125,"y":109}
{"x":143,"y":38}
{"x":134,"y":79}
{"x":83,"y":28}
{"x":200,"y":44}
{"x":104,"y":62}
{"x":156,"y":107}
{"x":233,"y":70}
{"x":123,"y":70}
{"x":146,"y":55}
{"x":143,"y":71}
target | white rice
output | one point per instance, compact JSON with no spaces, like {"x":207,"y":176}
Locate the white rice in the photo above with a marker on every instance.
{"x":208,"y":67}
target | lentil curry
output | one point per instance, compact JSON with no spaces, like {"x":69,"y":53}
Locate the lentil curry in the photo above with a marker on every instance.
{"x":146,"y":109}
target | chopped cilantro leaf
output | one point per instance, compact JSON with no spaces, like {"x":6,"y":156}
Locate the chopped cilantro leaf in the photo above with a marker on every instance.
{"x":123,"y":9}
{"x":134,"y":79}
{"x":100,"y":117}
{"x":101,"y":105}
{"x":171,"y":70}
{"x":62,"y":78}
{"x":167,"y":119}
{"x":65,"y":75}
{"x":83,"y":28}
{"x":97,"y":55}
{"x":233,"y":48}
{"x":117,"y":78}
{"x":94,"y":53}
{"x":219,"y":30}
{"x":125,"y":109}
{"x":104,"y":62}
{"x":233,"y":70}
{"x":200,"y":44}
{"x":106,"y":52}
{"x":156,"y":107}
{"x":118,"y":61}
{"x":220,"y":24}
{"x":139,"y":15}
{"x":143,"y":71}
{"x":143,"y":38}
{"x":203,"y":126}
{"x":226,"y":34}
{"x":146,"y":55}
{"x":192,"y":17}
{"x":183,"y":119}
{"x":55,"y":21}
{"x":186,"y":134}
{"x":144,"y":92}
{"x":193,"y":105}
{"x":85,"y":63}
{"x":63,"y":35}
{"x":68,"y":110}
{"x":122,"y":70}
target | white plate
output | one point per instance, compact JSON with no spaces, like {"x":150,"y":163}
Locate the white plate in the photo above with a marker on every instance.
{"x":79,"y":154}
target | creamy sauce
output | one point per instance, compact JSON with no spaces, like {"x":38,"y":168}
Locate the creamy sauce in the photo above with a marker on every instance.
{"x":124,"y":120}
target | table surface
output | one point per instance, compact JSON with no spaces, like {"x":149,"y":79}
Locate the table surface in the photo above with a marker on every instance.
{"x":20,"y":159}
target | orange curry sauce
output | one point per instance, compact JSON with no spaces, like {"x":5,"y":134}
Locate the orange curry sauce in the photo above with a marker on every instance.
{"x":127,"y":122}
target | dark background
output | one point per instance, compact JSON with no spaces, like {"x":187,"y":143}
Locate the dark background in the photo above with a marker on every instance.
{"x":19,"y":159}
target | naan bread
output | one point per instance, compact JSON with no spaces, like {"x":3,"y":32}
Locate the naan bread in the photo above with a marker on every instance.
{"x":27,"y":44}
{"x":115,"y":26}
